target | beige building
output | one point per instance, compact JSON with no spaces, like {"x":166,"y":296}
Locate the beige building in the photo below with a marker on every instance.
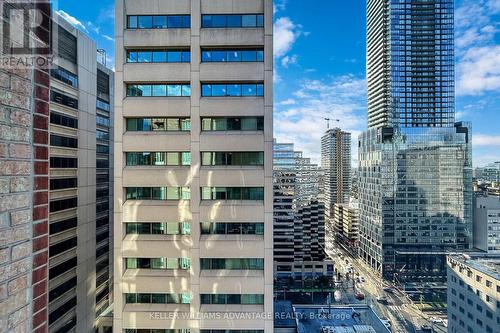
{"x":473,"y":293}
{"x":344,"y":226}
{"x":193,"y":168}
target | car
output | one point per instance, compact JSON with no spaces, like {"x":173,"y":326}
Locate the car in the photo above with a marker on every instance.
{"x":382,"y":299}
{"x":362,"y":279}
{"x":388,"y":289}
{"x":386,"y":322}
{"x":360,"y":296}
{"x":436,"y":320}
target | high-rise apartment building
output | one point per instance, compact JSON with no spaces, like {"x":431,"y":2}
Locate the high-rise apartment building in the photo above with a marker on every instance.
{"x":299,"y":218}
{"x":410,"y":63}
{"x":336,"y":165}
{"x":415,"y":187}
{"x":473,"y":293}
{"x":193,"y":166}
{"x":54,"y":137}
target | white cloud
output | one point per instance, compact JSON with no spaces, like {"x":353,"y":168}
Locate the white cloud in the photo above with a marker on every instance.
{"x":111,"y":39}
{"x":72,"y":20}
{"x":303,"y":122}
{"x":289,"y":60}
{"x":286,"y":33}
{"x":289,"y":101}
{"x":483,"y":140}
{"x":478,"y":65}
{"x":479,"y":70}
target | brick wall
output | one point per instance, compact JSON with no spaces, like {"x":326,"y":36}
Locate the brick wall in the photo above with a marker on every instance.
{"x":16,"y":184}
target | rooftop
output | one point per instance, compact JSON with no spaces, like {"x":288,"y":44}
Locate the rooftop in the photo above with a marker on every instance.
{"x":337,"y":319}
{"x":488,"y":264}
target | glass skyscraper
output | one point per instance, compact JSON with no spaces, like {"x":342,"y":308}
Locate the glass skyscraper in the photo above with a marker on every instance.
{"x":415,"y":171}
{"x":410,"y":63}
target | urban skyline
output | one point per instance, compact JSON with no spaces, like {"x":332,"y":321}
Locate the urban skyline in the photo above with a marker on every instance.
{"x":312,"y":83}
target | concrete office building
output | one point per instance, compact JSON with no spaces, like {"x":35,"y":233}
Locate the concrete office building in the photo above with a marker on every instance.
{"x":415,"y":170}
{"x":299,"y":218}
{"x":473,"y":293}
{"x":487,"y":223}
{"x":193,"y":168}
{"x":336,"y":164}
{"x":79,"y":182}
{"x":344,"y":226}
{"x":54,"y":138}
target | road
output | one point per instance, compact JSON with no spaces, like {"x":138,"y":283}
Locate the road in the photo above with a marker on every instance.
{"x":398,"y":308}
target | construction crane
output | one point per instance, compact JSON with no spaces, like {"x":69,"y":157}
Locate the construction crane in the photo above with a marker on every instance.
{"x":328,"y":122}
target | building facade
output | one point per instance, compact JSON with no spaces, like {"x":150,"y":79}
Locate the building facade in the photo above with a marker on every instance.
{"x":473,"y":293}
{"x":80,"y":181}
{"x":53,"y":114}
{"x":299,"y":218}
{"x":193,"y":168}
{"x":344,"y":226}
{"x":336,"y":165}
{"x":415,"y":170}
{"x":487,"y":223}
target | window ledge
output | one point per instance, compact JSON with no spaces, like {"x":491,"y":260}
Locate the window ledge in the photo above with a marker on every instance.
{"x":231,"y":273}
{"x":155,"y":238}
{"x":177,"y":273}
{"x":246,"y":238}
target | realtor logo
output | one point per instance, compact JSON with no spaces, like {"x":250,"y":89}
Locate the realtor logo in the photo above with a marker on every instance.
{"x":26,"y":34}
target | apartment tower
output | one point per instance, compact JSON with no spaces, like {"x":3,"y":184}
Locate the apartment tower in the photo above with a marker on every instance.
{"x":336,"y":165}
{"x":415,"y":188}
{"x":193,"y":169}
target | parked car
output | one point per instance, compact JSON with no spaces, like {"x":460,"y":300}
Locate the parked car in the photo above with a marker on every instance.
{"x":360,"y":296}
{"x":436,"y":320}
{"x":382,"y":299}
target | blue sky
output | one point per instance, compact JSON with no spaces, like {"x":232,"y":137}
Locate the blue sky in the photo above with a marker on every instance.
{"x":320,"y":67}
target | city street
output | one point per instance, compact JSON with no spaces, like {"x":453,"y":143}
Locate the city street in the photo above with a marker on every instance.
{"x":388,"y":302}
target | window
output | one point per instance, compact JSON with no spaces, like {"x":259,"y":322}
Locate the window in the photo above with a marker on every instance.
{"x":183,"y":228}
{"x":62,"y":268}
{"x":231,"y":331}
{"x":158,"y":90}
{"x":232,"y":21}
{"x":144,"y":298}
{"x":65,"y":76}
{"x":58,"y":205}
{"x":63,"y":183}
{"x":158,"y":56}
{"x":63,"y":141}
{"x":232,"y":90}
{"x":102,"y":105}
{"x":158,"y":22}
{"x":158,"y":124}
{"x":232,"y":264}
{"x":101,"y":135}
{"x":102,"y":121}
{"x":61,"y":310}
{"x":62,"y":246}
{"x":66,"y":45}
{"x":235,"y":55}
{"x":59,"y":119}
{"x":157,"y":193}
{"x":159,"y":159}
{"x":233,"y":124}
{"x":63,"y":99}
{"x":62,"y":288}
{"x":60,"y":226}
{"x":158,"y":263}
{"x":208,"y":228}
{"x":232,"y":158}
{"x":232,"y":193}
{"x":244,"y":299}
